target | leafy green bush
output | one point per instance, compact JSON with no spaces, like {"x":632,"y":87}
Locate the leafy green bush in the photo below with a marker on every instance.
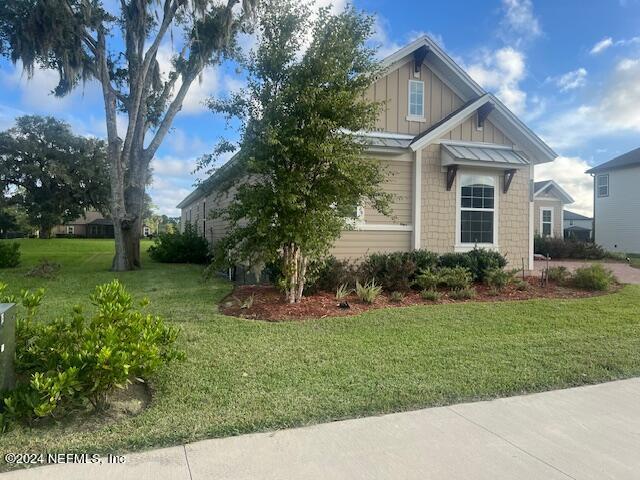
{"x":394,"y":270}
{"x":593,"y":277}
{"x":455,"y":277}
{"x":521,"y":285}
{"x":428,"y":279}
{"x":70,"y":362}
{"x":558,"y":274}
{"x":330,"y":273}
{"x":181,"y":247}
{"x":396,"y":297}
{"x":498,"y":278}
{"x":431,"y":295}
{"x":9,"y":254}
{"x":423,"y":259}
{"x":368,"y":292}
{"x":478,"y":261}
{"x":561,"y":248}
{"x":462,"y":293}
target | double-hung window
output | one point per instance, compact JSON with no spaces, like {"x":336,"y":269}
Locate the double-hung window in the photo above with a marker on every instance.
{"x":546,"y":222}
{"x":477,"y":209}
{"x":416,"y":99}
{"x":603,"y":185}
{"x":71,"y":230}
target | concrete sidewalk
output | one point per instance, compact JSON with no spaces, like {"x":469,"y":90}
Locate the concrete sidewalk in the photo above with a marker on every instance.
{"x":581,"y":433}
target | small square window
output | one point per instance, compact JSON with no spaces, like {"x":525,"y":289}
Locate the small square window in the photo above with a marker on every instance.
{"x":416,"y":98}
{"x":603,"y":185}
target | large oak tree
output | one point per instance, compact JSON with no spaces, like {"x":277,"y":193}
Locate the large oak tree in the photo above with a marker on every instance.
{"x":81,"y":40}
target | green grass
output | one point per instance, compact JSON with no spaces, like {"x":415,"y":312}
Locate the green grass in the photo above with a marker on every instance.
{"x":244,"y":376}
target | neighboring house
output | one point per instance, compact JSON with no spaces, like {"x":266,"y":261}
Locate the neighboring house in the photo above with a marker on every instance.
{"x":549,"y":200}
{"x":91,"y":224}
{"x":616,"y":209}
{"x":461,"y":164}
{"x":577,"y":227}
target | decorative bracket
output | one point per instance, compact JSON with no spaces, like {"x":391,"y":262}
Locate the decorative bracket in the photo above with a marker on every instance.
{"x":508,"y":177}
{"x":451,"y":175}
{"x":483,"y":113}
{"x":419,"y":55}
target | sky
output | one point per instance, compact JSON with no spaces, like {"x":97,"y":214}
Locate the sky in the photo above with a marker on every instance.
{"x":569,"y":69}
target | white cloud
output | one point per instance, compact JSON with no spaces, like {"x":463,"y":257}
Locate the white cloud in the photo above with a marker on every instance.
{"x":601,"y":46}
{"x":519,"y":21}
{"x":568,"y":172}
{"x":614,"y":110}
{"x":572,"y":80}
{"x":501,"y":71}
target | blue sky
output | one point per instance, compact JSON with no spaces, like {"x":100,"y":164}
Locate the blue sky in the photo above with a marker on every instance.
{"x":570,"y":69}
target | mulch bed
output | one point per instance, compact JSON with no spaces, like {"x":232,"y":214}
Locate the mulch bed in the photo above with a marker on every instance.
{"x":268,"y":303}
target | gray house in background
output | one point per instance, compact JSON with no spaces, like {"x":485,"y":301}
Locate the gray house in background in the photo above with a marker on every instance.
{"x":617,"y":203}
{"x":577,"y":226}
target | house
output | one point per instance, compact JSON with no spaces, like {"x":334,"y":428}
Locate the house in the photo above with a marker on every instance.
{"x":616,"y":203}
{"x":91,"y":224}
{"x":576,"y":226}
{"x":549,"y":200}
{"x":461,"y":163}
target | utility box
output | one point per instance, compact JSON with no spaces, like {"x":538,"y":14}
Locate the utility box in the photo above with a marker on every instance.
{"x":7,"y":346}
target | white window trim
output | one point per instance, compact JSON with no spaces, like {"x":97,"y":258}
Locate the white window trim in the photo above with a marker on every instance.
{"x":604,"y":175}
{"x":465,"y":247}
{"x":357,"y":222}
{"x":542,"y":210}
{"x":71,"y":230}
{"x":410,"y":117}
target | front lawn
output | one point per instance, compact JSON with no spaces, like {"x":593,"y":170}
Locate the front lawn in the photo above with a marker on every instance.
{"x":242,"y":375}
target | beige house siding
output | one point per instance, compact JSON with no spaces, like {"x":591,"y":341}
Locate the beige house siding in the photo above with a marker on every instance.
{"x":439,"y":101}
{"x":439,"y":210}
{"x":356,"y":244}
{"x":542,"y":201}
{"x":399,"y":172}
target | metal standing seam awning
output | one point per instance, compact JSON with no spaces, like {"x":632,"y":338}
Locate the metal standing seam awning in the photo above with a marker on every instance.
{"x":486,"y":156}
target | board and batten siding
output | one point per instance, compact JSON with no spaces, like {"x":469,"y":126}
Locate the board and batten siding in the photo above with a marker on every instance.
{"x":617,"y":217}
{"x":439,"y":101}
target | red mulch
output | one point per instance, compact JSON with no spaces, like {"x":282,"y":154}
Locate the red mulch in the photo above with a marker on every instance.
{"x":269,"y":305}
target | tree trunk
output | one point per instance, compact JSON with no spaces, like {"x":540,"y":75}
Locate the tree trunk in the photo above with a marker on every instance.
{"x":295,"y":271}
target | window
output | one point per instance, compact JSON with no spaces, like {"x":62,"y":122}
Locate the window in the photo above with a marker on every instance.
{"x":603,"y":185}
{"x":477,"y":209}
{"x":416,"y":99}
{"x":71,"y":230}
{"x":546,"y":222}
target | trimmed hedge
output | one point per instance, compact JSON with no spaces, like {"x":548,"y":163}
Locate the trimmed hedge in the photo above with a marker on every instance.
{"x":561,"y":248}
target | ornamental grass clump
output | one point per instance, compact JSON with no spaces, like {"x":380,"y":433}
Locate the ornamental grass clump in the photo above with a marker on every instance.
{"x":368,"y":292}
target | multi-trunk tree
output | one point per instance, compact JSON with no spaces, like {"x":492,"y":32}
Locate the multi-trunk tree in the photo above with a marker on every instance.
{"x":300,"y":172}
{"x":52,"y":174}
{"x":83,"y":39}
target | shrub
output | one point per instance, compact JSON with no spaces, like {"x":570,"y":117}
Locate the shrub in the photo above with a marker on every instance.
{"x":44,"y":269}
{"x":9,"y":254}
{"x":593,"y":277}
{"x":455,"y":277}
{"x":462,"y":293}
{"x":394,"y":271}
{"x":478,"y":261}
{"x":73,"y":361}
{"x":428,"y":279}
{"x":431,"y":295}
{"x":521,"y":285}
{"x":396,"y":297}
{"x":558,"y":274}
{"x":181,"y":247}
{"x":423,"y":259}
{"x":368,"y":292}
{"x":330,"y":273}
{"x":498,"y":278}
{"x":561,"y":248}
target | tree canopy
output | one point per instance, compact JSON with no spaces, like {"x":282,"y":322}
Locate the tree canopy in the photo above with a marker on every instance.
{"x":51,"y":173}
{"x":117,"y":44}
{"x":300,"y":172}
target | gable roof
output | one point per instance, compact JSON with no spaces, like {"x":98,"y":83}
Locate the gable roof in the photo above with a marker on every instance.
{"x":539,"y":187}
{"x":628,"y":159}
{"x":569,"y":215}
{"x":470,"y":92}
